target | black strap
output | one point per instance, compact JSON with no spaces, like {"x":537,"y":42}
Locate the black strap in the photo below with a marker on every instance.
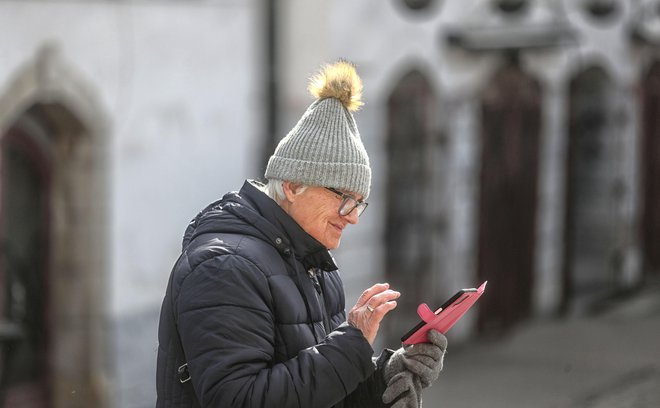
{"x":182,"y":370}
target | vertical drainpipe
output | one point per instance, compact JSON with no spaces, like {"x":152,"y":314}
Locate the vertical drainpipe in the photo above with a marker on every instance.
{"x":270,"y":78}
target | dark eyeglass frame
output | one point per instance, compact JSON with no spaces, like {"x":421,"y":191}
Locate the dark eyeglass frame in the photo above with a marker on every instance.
{"x":349,"y":203}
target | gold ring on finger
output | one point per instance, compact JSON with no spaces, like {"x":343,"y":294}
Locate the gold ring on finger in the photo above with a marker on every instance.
{"x":369,"y":308}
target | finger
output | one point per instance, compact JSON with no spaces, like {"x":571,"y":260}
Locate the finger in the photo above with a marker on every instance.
{"x":419,"y":369}
{"x":399,"y":384}
{"x":380,"y":299}
{"x":369,"y":293}
{"x":438,"y":339}
{"x":425,"y":349}
{"x":409,"y":398}
{"x":383,"y":297}
{"x":408,"y":401}
{"x":421,"y":359}
{"x":427,"y":372}
{"x":380,"y":311}
{"x":392,"y":391}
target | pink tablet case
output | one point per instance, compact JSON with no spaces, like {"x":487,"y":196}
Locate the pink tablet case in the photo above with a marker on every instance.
{"x":445,"y":319}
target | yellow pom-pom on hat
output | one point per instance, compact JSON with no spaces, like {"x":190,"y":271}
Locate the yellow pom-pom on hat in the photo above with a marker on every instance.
{"x":340,"y":81}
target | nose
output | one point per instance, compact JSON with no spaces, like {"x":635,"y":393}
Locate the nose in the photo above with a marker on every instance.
{"x":352,"y":217}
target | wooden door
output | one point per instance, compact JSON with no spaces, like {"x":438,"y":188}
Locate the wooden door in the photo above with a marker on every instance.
{"x":650,"y":156}
{"x":24,"y":334}
{"x":409,"y":234}
{"x":510,"y":127}
{"x":593,"y":227}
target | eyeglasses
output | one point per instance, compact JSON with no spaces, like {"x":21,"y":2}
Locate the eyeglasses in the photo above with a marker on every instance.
{"x":349,"y":203}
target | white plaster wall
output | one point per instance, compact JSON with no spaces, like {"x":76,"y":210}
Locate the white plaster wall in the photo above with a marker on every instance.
{"x":186,"y":131}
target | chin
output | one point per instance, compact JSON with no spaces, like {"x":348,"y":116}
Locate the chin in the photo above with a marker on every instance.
{"x":332,"y":245}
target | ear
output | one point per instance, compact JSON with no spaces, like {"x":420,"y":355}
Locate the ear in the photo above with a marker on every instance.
{"x":290,"y":190}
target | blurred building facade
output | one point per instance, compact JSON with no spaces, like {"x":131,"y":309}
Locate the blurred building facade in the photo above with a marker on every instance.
{"x":514,"y":141}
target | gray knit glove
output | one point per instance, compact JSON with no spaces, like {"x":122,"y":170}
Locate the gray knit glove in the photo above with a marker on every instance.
{"x":423,"y":363}
{"x":405,"y":389}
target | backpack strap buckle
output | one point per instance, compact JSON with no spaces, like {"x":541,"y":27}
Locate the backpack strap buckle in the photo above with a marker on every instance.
{"x":184,"y":374}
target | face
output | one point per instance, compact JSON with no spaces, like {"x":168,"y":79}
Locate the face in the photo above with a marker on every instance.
{"x":316,"y":210}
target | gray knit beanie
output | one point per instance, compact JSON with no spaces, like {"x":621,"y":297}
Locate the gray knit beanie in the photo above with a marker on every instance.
{"x":324,"y":148}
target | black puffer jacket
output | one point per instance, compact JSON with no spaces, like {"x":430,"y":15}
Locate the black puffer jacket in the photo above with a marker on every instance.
{"x":259,"y":308}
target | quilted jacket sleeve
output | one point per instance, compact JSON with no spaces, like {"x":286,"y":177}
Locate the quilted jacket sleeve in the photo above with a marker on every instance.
{"x":370,"y":392}
{"x":227,"y":332}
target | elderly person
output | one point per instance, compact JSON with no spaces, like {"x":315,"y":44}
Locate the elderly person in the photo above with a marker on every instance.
{"x":254,"y":310}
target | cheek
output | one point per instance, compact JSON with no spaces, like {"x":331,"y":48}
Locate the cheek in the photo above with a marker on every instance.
{"x":308,"y":217}
{"x":318,"y":223}
{"x":320,"y":220}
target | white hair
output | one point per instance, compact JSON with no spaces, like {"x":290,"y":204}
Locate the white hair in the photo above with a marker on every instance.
{"x":275,"y":190}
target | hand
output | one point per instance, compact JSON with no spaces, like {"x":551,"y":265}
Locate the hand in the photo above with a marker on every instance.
{"x":405,"y":389}
{"x":371,"y":307}
{"x":423,"y":360}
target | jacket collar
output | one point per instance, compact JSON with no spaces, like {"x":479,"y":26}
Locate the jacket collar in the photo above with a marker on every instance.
{"x":310,"y":252}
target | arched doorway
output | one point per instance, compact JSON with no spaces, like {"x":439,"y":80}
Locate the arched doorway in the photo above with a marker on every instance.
{"x":50,"y":259}
{"x":53,"y":139}
{"x":510,"y":128}
{"x":650,"y":157}
{"x":415,"y":234}
{"x":593,"y":259}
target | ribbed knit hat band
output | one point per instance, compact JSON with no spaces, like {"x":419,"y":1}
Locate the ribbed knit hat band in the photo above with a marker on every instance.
{"x":324,"y":148}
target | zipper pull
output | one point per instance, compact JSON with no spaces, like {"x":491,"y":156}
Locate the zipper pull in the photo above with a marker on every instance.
{"x":315,"y":280}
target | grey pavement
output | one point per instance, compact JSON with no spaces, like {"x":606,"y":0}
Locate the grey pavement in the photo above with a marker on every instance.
{"x":610,"y":359}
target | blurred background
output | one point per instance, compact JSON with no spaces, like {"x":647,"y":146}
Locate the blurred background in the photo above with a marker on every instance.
{"x":514,"y":141}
